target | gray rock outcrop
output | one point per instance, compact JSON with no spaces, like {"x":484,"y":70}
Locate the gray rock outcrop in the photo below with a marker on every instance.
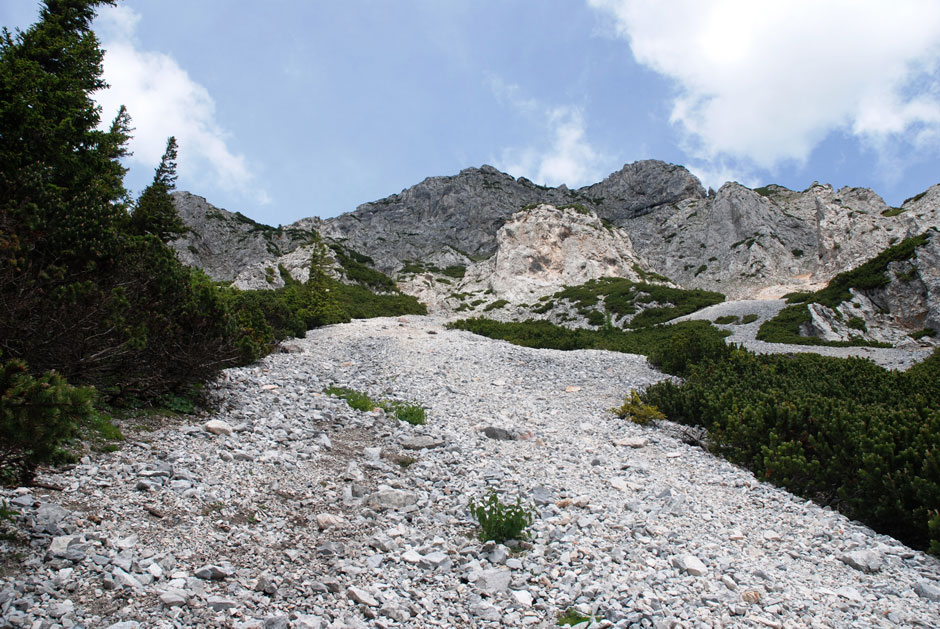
{"x":223,"y":243}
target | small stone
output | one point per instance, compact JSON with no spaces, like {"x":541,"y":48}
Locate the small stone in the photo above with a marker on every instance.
{"x":388,"y":498}
{"x":213,"y":573}
{"x":494,"y":580}
{"x":220,"y":604}
{"x":124,"y":579}
{"x":308,"y":621}
{"x":173,"y":597}
{"x":422,"y":442}
{"x":619,"y":483}
{"x":632,"y":442}
{"x":500,"y":434}
{"x":485,"y":611}
{"x":328,"y":521}
{"x":361,"y":596}
{"x":927,"y":590}
{"x":572,"y":389}
{"x":864,"y":560}
{"x":218,"y":427}
{"x":542,"y":495}
{"x":277,"y":622}
{"x":522,"y":598}
{"x":690,"y":564}
{"x":412,"y":556}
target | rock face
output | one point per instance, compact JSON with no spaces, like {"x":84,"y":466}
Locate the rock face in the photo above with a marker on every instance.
{"x":223,"y":243}
{"x":459,"y":216}
{"x":908,"y":303}
{"x":768,"y":242}
{"x":541,"y":249}
{"x":744,"y":243}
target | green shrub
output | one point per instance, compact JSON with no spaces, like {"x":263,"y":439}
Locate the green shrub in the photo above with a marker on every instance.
{"x":843,"y":432}
{"x":857,"y":323}
{"x":748,"y":318}
{"x":456,"y":271}
{"x":637,"y":411}
{"x":688,"y":347}
{"x":495,"y":305}
{"x":543,"y":334}
{"x":725,"y":320}
{"x":38,"y":416}
{"x":501,"y":522}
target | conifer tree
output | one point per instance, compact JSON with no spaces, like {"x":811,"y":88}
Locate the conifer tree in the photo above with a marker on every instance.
{"x":155,"y":213}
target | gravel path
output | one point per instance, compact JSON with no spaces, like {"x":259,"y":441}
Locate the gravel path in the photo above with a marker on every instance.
{"x":310,"y":514}
{"x":746,"y":335}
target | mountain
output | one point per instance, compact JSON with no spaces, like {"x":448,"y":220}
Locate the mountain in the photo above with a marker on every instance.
{"x":481,"y":237}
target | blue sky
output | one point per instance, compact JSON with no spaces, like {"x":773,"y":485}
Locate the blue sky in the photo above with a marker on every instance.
{"x":290,"y":108}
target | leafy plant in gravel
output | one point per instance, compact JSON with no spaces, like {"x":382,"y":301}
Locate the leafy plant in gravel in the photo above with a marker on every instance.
{"x":748,"y":318}
{"x":637,"y":411}
{"x":414,"y":414}
{"x":501,"y":522}
{"x":572,"y":617}
{"x":726,"y":319}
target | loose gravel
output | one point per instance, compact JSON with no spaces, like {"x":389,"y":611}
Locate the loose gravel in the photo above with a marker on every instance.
{"x":284,"y":508}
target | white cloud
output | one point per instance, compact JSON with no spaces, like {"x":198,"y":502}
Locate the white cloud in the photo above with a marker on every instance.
{"x":566,"y":156}
{"x":163,"y":100}
{"x":762,"y":83}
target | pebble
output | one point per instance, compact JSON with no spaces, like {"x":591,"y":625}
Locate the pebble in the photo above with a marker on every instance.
{"x":307,"y":514}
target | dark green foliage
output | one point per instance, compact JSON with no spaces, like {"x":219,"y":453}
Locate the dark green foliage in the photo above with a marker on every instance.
{"x":843,"y":432}
{"x":786,"y":326}
{"x":892,"y":211}
{"x":155,"y":212}
{"x":748,"y":318}
{"x":501,"y":522}
{"x":495,"y":305}
{"x":857,"y":323}
{"x":701,"y":270}
{"x":697,"y":338}
{"x":919,"y":334}
{"x":726,"y":320}
{"x":915,"y":198}
{"x":637,"y":411}
{"x":355,"y":266}
{"x":797,"y":253}
{"x":686,"y":347}
{"x":456,"y":271}
{"x":657,"y":304}
{"x":356,"y":399}
{"x":37,"y":417}
{"x":800,"y":297}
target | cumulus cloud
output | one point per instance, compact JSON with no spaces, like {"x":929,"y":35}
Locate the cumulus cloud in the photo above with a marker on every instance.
{"x":163,"y":100}
{"x":562,"y":155}
{"x":765,"y":82}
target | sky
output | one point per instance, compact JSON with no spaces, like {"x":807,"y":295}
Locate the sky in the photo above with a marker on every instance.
{"x":286,"y":109}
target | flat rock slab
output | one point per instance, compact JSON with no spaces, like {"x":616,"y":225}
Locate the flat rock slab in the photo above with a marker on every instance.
{"x":421,"y":443}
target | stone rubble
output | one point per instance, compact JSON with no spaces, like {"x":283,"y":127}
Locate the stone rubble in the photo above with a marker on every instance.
{"x":272,"y":525}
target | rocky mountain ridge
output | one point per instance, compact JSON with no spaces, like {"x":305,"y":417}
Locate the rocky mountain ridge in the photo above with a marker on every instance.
{"x":466,"y":239}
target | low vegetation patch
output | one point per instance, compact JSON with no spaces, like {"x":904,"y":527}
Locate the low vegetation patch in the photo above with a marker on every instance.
{"x":843,"y":432}
{"x":748,"y":318}
{"x":670,"y":348}
{"x":786,"y":326}
{"x":495,"y":305}
{"x":414,"y":414}
{"x":637,"y":411}
{"x":649,"y":303}
{"x":501,"y":522}
{"x":572,"y":617}
{"x":726,"y":319}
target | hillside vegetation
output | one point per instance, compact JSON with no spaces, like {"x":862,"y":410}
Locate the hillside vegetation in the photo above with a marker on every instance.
{"x":843,"y":432}
{"x":786,"y":327}
{"x":90,"y":292}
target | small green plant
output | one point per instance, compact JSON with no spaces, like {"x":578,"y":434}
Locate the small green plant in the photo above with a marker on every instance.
{"x":572,"y":617}
{"x":725,"y":320}
{"x":637,"y":411}
{"x":356,"y":399}
{"x":406,"y":412}
{"x":797,"y":253}
{"x":501,"y":522}
{"x":857,"y":323}
{"x":494,"y":305}
{"x":919,"y":334}
{"x":748,"y":318}
{"x":406,"y":461}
